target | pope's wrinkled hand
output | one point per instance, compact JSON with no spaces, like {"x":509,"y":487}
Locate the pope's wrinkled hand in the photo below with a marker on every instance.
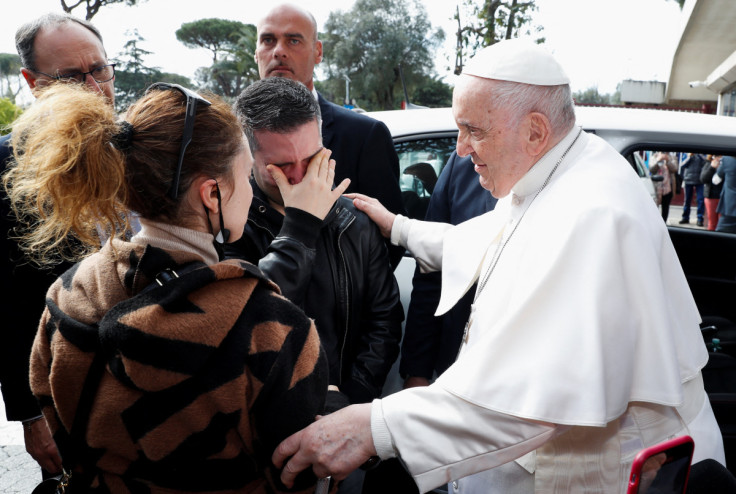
{"x":335,"y":445}
{"x":382,"y":217}
{"x":314,"y":194}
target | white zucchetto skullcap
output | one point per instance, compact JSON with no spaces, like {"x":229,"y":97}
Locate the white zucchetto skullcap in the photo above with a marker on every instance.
{"x":517,"y":60}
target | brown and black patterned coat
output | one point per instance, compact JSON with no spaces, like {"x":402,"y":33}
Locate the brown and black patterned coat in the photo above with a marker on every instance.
{"x":203,"y":377}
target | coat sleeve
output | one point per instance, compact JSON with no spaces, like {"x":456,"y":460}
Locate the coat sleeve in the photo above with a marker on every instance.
{"x":414,"y":418}
{"x":380,"y":321}
{"x":424,"y":240}
{"x":289,"y":258}
{"x":293,"y":376}
{"x":21,"y":307}
{"x":40,"y":370}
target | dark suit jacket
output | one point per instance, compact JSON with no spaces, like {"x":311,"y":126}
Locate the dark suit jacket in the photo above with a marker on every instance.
{"x":21,"y":307}
{"x":727,"y":171}
{"x":431,"y":343}
{"x":364,"y":152}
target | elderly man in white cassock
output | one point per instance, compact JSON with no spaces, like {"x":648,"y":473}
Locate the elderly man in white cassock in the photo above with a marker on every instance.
{"x":566,"y":370}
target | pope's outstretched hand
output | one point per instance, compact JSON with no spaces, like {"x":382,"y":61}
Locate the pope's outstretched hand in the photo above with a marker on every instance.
{"x":335,"y":445}
{"x":382,"y":217}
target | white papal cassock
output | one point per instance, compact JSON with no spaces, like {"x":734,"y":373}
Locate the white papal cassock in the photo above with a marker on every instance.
{"x":584,"y":345}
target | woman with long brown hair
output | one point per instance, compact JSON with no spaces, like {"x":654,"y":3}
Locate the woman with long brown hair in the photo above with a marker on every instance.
{"x":158,"y":367}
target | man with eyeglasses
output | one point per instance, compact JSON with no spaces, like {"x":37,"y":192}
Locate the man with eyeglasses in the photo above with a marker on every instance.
{"x":52,"y":48}
{"x":62,"y":48}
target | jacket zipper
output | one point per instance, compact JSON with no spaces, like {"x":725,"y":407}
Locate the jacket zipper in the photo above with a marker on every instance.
{"x":347,"y":298}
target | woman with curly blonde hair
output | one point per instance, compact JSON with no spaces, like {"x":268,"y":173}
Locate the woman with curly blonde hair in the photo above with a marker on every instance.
{"x":158,"y":367}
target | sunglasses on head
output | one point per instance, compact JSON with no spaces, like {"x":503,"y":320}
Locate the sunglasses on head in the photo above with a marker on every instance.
{"x":191,"y":112}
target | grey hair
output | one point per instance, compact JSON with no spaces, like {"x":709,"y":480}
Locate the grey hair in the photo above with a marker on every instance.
{"x":25,"y":36}
{"x":275,"y":104}
{"x":554,"y":102}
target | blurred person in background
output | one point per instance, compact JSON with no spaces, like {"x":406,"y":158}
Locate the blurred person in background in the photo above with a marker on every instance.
{"x":727,"y":204}
{"x":664,"y":165}
{"x":711,"y":189}
{"x":692,"y":185}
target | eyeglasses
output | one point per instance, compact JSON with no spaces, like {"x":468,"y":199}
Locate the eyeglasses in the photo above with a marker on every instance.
{"x":101,"y":74}
{"x":191,"y":111}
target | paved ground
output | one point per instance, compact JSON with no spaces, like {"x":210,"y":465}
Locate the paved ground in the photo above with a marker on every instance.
{"x":19,"y":473}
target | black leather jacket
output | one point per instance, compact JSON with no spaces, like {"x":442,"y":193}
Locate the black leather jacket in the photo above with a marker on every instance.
{"x":338,"y":272}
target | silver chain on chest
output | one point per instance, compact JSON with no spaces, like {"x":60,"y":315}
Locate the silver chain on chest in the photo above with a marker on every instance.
{"x":502,"y":244}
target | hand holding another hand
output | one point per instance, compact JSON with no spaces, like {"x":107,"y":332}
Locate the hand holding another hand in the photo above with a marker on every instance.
{"x":334,"y":445}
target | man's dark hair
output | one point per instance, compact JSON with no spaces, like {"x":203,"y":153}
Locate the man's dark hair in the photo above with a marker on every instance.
{"x":275,"y":105}
{"x":25,"y":36}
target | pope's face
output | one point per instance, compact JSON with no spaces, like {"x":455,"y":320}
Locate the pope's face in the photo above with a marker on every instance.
{"x":291,"y":152}
{"x":488,"y":136}
{"x":287,"y":46}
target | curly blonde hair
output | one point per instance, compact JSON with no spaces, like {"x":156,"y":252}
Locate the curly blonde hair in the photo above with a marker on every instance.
{"x":69,"y":181}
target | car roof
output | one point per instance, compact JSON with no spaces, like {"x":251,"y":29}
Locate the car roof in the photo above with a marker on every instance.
{"x":624,"y":128}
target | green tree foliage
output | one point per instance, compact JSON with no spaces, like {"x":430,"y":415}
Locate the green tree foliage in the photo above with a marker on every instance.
{"x":10,"y":78}
{"x":132,"y":76}
{"x":368,"y":42}
{"x":217,"y":35}
{"x":232,"y":44}
{"x":489,"y":22}
{"x":93,"y":6}
{"x":615,"y":98}
{"x":433,"y":92}
{"x":8,"y":113}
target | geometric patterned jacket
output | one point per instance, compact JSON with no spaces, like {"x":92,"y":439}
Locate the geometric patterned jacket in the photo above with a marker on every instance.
{"x":201,"y":378}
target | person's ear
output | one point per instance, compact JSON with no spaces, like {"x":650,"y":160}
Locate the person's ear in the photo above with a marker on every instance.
{"x":208,"y":194}
{"x":539,"y":131}
{"x":29,"y":77}
{"x":318,"y":52}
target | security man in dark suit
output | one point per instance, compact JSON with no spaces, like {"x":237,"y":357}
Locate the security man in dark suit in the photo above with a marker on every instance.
{"x":287,"y":46}
{"x":431,"y":343}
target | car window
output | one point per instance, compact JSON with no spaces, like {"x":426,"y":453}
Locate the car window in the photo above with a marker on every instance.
{"x":676,"y":176}
{"x":420,"y":162}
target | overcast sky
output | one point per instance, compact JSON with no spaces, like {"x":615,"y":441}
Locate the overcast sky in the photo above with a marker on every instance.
{"x":598,"y":42}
